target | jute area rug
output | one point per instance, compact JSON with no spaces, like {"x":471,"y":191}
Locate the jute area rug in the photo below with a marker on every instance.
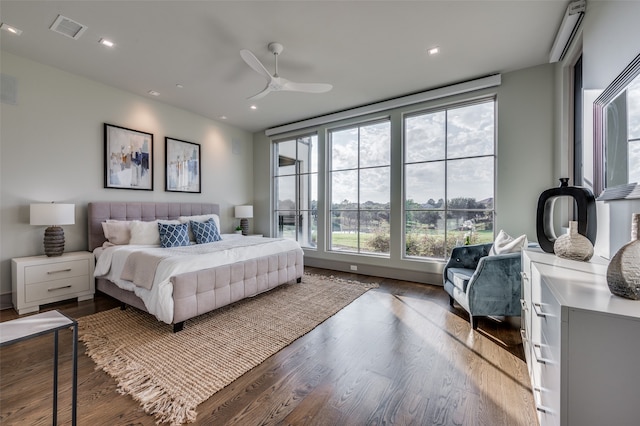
{"x":171,"y":373}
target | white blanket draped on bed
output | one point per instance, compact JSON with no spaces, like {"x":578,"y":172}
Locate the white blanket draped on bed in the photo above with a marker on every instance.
{"x":158,"y":299}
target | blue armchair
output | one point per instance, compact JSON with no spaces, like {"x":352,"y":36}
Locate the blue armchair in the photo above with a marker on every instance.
{"x":481,"y":284}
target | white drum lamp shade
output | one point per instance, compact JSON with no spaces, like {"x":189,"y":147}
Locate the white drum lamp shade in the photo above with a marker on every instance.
{"x":52,"y":215}
{"x":244,"y":213}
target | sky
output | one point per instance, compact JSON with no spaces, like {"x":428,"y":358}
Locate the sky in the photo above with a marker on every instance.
{"x":469,"y":132}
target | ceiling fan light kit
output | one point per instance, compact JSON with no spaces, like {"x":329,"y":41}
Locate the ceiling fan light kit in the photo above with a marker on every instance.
{"x":275,"y":83}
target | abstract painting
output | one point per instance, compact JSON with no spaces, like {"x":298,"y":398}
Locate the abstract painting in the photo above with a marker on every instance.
{"x":128,"y":158}
{"x":182,"y":166}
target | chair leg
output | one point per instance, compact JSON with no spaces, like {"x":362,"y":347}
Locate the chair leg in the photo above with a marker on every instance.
{"x":474,"y":322}
{"x":451,"y":300}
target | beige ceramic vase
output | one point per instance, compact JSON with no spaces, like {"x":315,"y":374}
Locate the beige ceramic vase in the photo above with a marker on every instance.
{"x":573,"y":245}
{"x":623,"y":273}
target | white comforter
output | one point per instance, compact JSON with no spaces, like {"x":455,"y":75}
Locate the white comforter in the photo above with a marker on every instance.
{"x":158,"y":300}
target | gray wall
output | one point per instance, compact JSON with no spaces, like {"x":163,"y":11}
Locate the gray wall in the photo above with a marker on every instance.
{"x":525,"y":168}
{"x":52,"y":150}
{"x":610,"y":42}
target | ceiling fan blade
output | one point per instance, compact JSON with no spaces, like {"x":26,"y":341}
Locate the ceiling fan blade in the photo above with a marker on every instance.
{"x":255,"y":64}
{"x":307,"y":87}
{"x":261,"y":94}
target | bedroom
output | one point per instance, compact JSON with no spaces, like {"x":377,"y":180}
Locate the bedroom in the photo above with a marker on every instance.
{"x":52,"y":145}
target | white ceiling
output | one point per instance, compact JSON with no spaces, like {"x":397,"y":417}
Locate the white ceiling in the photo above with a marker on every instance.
{"x":369,"y":50}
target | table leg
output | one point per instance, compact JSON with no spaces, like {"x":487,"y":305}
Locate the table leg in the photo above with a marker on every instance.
{"x":55,"y":378}
{"x":74,"y":395}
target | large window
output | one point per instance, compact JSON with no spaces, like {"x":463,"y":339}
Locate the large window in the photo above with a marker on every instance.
{"x":449,"y":162}
{"x":296,"y":189}
{"x":359,"y":175}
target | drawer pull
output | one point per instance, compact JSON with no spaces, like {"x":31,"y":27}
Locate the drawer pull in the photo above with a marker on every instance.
{"x":539,"y":406}
{"x":523,"y":304}
{"x":59,"y":288}
{"x":540,"y":359}
{"x":523,"y":334}
{"x":537,"y":308}
{"x":58,"y":271}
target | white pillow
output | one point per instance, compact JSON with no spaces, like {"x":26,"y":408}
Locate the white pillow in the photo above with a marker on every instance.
{"x":199,"y":218}
{"x":146,"y":233}
{"x":117,"y":232}
{"x":504,"y":243}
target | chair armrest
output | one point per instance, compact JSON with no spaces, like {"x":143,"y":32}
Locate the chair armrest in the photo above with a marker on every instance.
{"x":496,"y":277}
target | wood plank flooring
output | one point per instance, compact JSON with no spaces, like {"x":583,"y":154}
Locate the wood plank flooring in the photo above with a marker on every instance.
{"x":397,"y":355}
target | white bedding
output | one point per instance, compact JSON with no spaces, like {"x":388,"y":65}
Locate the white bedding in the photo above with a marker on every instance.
{"x":158,"y":300}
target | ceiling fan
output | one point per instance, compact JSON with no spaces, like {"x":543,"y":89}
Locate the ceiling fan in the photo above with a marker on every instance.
{"x":275,"y":83}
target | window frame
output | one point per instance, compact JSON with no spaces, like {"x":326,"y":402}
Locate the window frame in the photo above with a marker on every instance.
{"x":298,"y":175}
{"x":446,"y":160}
{"x":329,"y":185}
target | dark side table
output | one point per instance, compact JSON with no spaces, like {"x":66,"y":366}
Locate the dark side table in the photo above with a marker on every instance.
{"x":20,"y":329}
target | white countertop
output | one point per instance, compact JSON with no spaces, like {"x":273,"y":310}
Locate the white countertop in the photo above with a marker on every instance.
{"x":583,"y":290}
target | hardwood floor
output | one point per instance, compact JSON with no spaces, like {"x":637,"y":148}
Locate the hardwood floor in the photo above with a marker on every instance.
{"x":397,"y":355}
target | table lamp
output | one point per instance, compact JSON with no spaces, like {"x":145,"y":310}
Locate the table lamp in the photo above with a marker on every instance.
{"x":52,"y":215}
{"x":244,"y":213}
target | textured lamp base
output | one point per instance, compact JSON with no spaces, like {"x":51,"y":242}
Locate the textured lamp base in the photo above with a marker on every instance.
{"x":53,"y":241}
{"x":244,"y":224}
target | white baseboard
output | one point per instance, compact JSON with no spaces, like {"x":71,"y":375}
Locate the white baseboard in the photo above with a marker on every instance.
{"x":376,"y":271}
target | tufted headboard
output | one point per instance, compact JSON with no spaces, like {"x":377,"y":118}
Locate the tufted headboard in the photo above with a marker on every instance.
{"x":98,"y":212}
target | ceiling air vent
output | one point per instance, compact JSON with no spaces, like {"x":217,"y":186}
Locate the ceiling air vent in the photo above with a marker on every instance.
{"x":67,"y":27}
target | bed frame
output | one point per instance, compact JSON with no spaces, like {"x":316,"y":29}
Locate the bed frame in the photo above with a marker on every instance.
{"x":195,"y":293}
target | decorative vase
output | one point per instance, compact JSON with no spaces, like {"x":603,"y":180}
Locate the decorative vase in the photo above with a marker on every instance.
{"x":623,"y":272}
{"x":573,"y":245}
{"x":585,"y":203}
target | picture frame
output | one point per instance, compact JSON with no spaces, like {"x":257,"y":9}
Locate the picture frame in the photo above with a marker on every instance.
{"x":182,"y":166}
{"x":128,"y":159}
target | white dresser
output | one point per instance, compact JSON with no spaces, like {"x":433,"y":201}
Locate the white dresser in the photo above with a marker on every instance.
{"x":37,"y":280}
{"x":582,"y":343}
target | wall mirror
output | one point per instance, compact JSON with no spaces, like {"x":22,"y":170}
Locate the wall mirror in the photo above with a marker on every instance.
{"x":617,"y":137}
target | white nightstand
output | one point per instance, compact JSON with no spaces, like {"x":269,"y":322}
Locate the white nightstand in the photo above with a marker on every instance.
{"x":38,"y":280}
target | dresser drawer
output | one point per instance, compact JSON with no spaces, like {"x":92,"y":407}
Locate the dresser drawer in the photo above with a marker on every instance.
{"x":51,"y":290}
{"x":550,"y":323}
{"x":56,"y":271}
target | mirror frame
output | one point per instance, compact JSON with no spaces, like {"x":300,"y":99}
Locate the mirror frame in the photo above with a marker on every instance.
{"x":619,"y":192}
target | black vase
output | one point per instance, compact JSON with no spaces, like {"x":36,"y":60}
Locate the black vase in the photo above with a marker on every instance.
{"x":586,"y":211}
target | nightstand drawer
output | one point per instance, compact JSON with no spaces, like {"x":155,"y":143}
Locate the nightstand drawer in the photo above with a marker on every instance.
{"x":56,"y":271}
{"x":52,"y":289}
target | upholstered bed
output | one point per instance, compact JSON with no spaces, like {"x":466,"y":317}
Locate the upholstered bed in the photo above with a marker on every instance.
{"x":195,"y":292}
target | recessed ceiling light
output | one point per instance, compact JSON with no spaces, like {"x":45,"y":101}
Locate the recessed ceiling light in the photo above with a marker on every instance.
{"x":253,"y":107}
{"x":179,"y":86}
{"x":222,"y":117}
{"x":10,"y":29}
{"x":434,"y":50}
{"x":153,"y":93}
{"x":105,"y":42}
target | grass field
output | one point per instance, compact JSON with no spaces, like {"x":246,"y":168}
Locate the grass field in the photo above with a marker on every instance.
{"x":349,"y":241}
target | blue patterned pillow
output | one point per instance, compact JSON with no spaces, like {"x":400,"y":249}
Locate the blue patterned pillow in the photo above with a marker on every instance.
{"x":205,"y":232}
{"x":173,"y":235}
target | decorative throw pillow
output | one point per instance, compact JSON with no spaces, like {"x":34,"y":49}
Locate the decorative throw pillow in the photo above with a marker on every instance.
{"x":504,"y":243}
{"x":199,"y":218}
{"x":144,"y":233}
{"x":205,"y":232}
{"x":173,"y":235}
{"x":117,"y":232}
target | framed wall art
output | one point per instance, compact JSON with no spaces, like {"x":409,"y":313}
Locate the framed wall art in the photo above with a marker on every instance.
{"x":128,"y":158}
{"x":182,"y":160}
